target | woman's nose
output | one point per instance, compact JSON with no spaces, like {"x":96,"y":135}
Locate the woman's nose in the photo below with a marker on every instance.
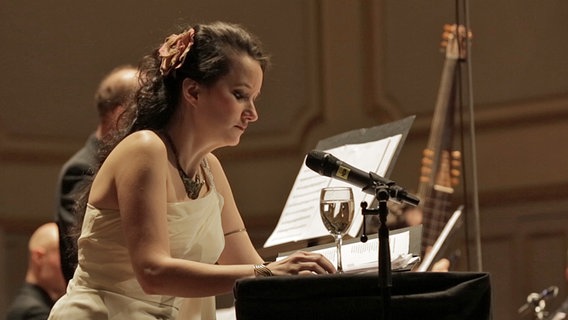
{"x":250,"y":113}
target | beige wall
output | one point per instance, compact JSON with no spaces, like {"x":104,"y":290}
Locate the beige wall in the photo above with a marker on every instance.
{"x":338,"y":65}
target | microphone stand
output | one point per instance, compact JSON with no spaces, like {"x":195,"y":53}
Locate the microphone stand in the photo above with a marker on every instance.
{"x":385,"y":279}
{"x":384,"y":190}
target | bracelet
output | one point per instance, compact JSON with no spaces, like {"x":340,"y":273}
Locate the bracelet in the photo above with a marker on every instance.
{"x":261,"y":270}
{"x":235,"y":231}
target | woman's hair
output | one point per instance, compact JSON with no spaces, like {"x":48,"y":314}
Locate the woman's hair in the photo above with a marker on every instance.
{"x":209,"y":58}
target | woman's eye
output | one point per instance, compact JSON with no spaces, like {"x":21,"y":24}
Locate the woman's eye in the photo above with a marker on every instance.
{"x":239,"y":95}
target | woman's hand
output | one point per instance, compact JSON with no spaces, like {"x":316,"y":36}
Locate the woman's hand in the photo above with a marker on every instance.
{"x":302,"y":262}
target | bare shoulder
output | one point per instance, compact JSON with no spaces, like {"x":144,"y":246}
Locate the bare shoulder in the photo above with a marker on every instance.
{"x":143,"y":141}
{"x":141,"y":154}
{"x":213,"y":161}
{"x":215,"y":166}
{"x":139,"y":148}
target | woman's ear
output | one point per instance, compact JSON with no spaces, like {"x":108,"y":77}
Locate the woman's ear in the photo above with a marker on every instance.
{"x":190,"y":90}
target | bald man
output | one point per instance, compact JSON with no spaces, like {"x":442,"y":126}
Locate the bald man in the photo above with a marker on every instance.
{"x":44,"y":283}
{"x":112,"y":97}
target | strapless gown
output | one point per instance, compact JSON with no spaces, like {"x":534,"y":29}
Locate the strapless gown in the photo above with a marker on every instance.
{"x":104,"y":285}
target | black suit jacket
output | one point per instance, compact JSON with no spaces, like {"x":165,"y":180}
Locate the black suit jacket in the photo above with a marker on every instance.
{"x":31,"y":303}
{"x":72,"y":176}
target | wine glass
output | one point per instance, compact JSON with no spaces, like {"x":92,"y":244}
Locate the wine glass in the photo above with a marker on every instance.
{"x":336,"y":210}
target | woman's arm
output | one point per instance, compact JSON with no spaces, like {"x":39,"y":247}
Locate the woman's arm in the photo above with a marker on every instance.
{"x":238,"y":246}
{"x":137,"y":173}
{"x":140,"y":167}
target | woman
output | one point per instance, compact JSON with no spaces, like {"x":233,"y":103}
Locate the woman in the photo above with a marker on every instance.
{"x":161,"y":222}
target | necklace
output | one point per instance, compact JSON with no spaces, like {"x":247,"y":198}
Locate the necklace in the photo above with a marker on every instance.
{"x":192,"y":186}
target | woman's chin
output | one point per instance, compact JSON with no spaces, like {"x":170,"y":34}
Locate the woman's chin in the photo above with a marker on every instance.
{"x":233,"y":142}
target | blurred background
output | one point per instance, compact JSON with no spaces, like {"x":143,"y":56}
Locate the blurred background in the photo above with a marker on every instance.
{"x":338,"y":65}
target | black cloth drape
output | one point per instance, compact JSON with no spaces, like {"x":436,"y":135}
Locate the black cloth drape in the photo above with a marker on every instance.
{"x":414,"y":295}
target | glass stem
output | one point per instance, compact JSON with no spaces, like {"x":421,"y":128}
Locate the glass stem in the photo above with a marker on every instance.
{"x":338,"y":242}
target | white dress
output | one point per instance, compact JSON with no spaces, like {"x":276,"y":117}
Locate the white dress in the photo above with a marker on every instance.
{"x":104,"y":285}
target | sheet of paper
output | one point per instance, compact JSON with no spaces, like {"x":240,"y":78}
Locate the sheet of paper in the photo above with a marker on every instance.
{"x":359,"y":256}
{"x":300,"y":218}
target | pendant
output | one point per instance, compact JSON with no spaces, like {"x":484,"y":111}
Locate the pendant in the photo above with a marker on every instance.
{"x":192,"y":186}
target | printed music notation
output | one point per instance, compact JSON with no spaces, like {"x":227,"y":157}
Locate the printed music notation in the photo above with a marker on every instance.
{"x":300,"y":218}
{"x":364,"y":256}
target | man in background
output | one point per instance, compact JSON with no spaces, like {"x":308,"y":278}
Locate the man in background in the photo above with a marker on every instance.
{"x":44,"y":283}
{"x":112,"y":97}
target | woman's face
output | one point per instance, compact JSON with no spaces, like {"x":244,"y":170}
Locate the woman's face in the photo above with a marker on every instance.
{"x":226,"y":108}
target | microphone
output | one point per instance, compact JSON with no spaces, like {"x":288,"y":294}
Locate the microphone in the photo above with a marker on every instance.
{"x":535,"y":299}
{"x":545,"y":294}
{"x":327,"y":165}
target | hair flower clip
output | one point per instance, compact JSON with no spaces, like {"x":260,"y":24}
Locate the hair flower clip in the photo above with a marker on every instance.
{"x":174,"y":50}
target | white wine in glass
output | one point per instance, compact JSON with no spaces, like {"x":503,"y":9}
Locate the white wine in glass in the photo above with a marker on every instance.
{"x":336,"y":210}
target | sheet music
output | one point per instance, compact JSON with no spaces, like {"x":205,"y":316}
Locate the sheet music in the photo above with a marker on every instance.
{"x":440,"y":241}
{"x":300,"y":219}
{"x":358,"y":256}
